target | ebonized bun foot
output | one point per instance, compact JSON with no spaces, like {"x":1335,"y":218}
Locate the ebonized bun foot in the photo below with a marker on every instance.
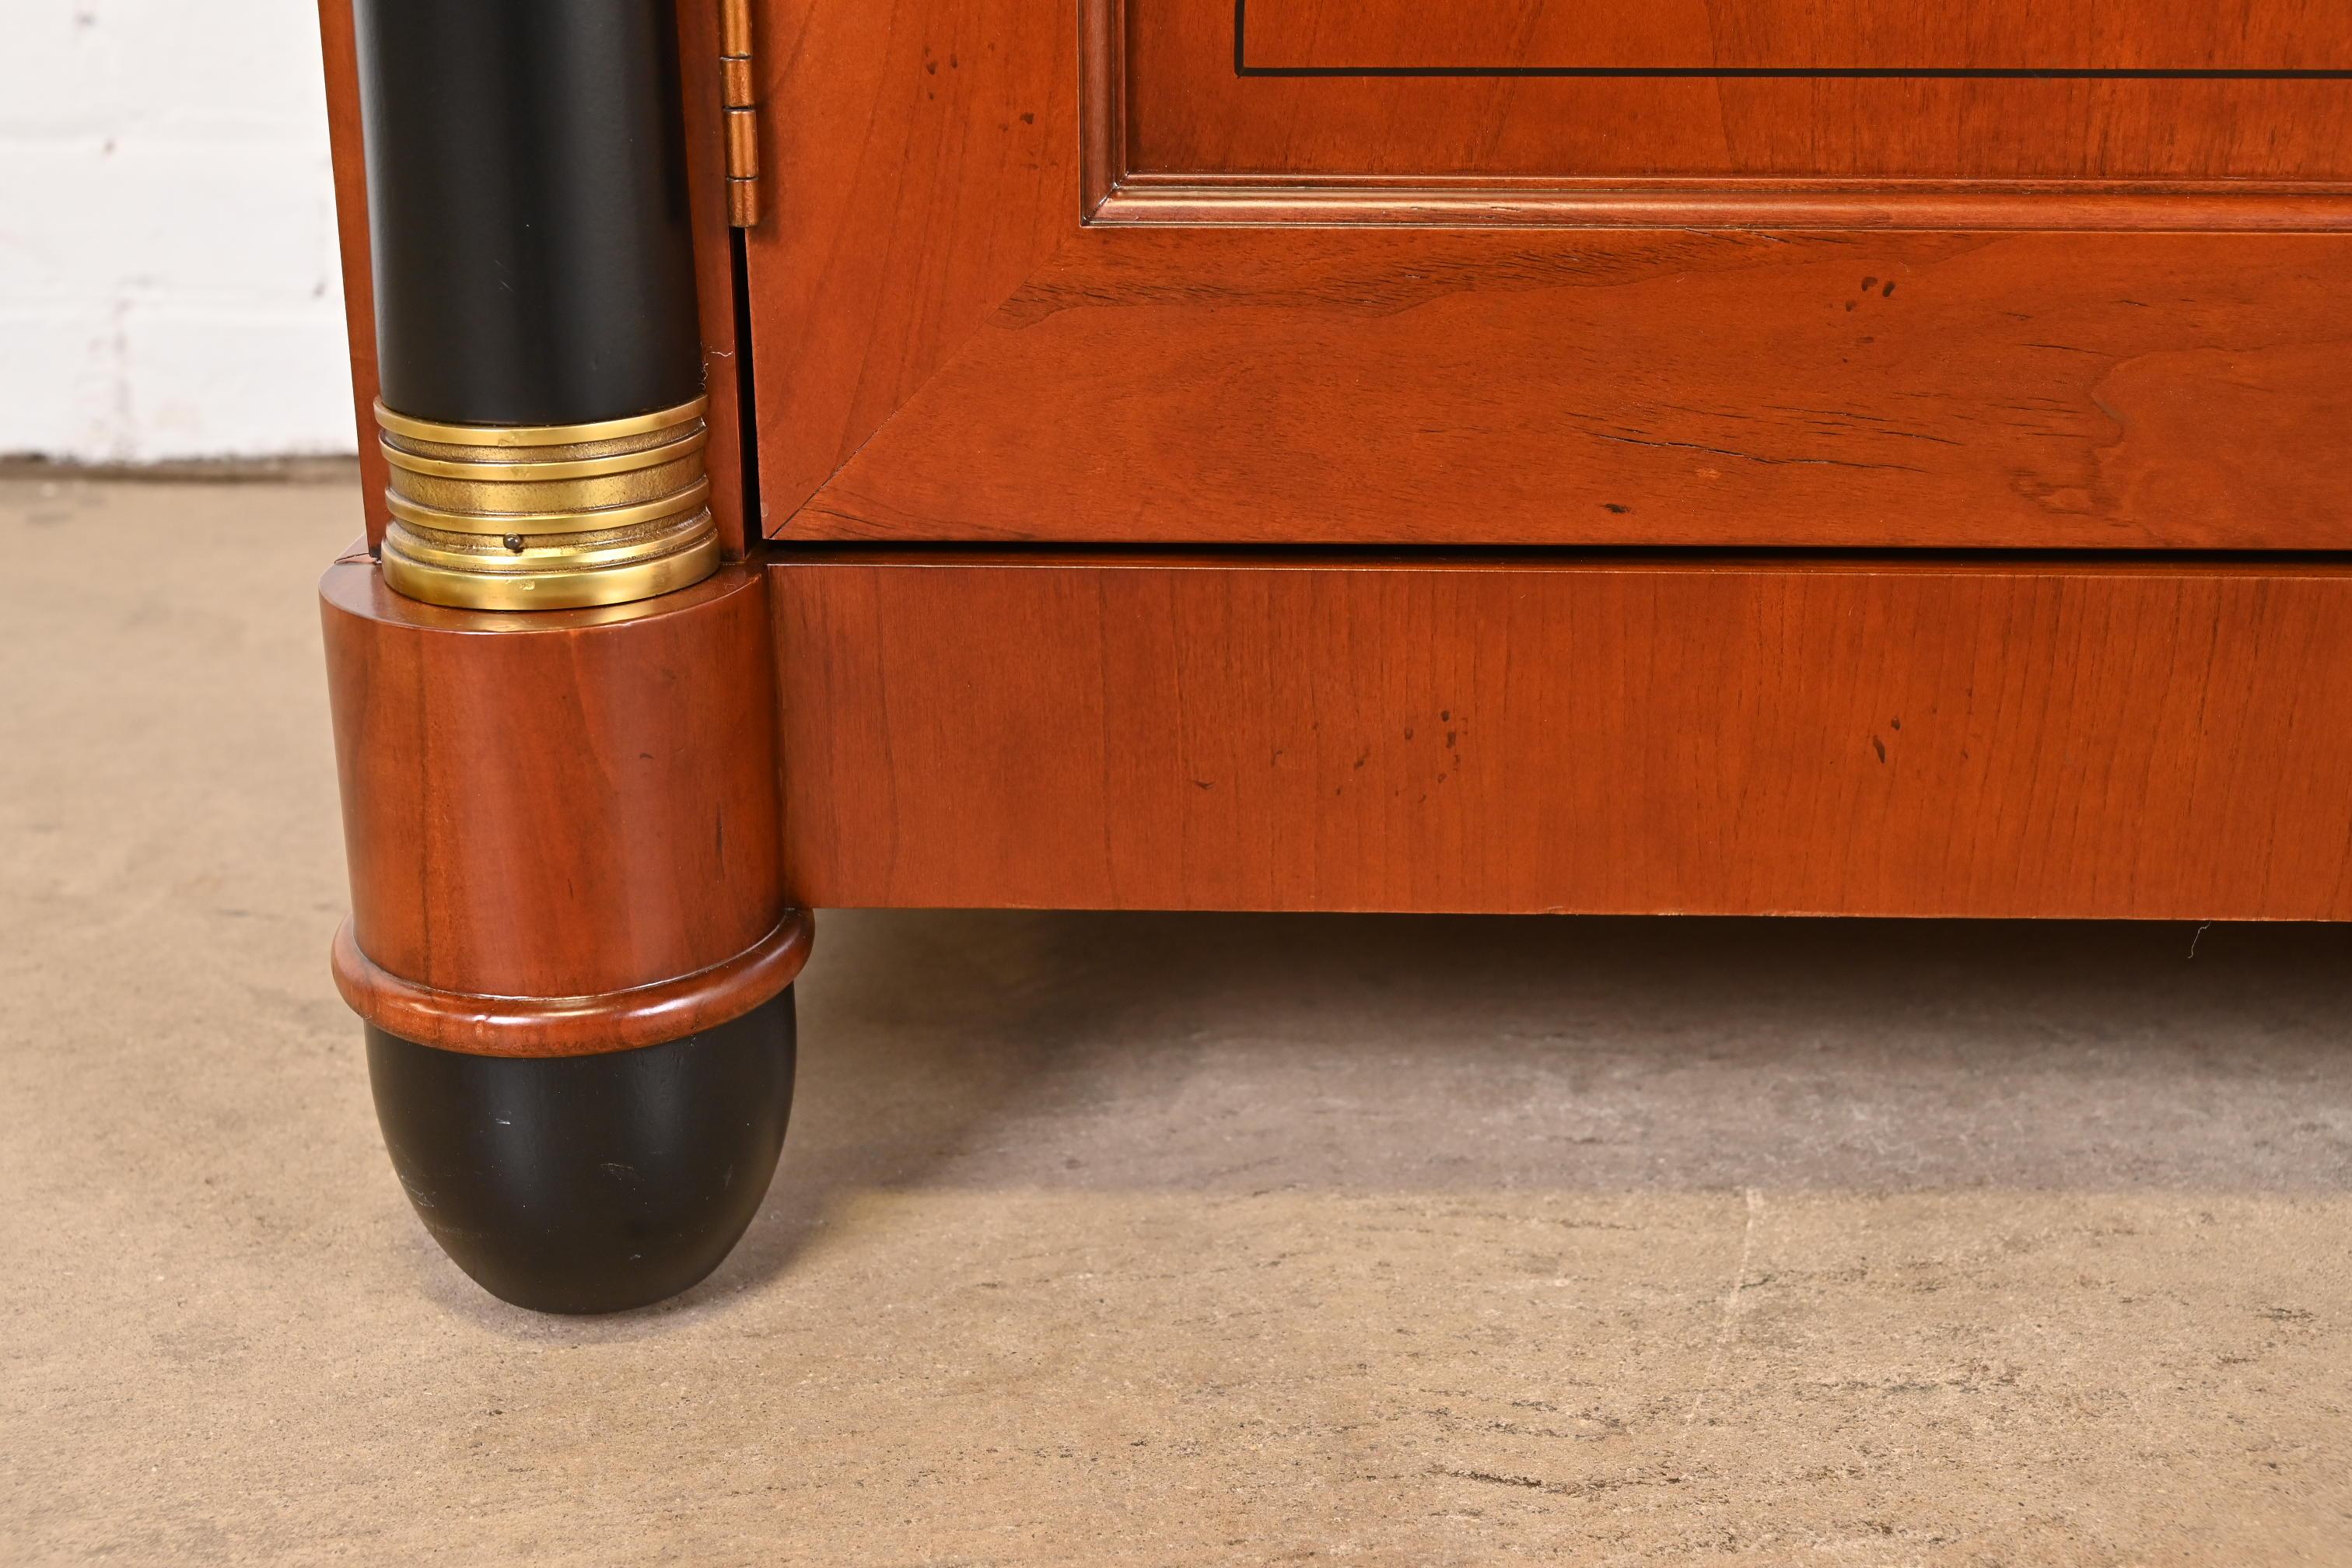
{"x":590,"y":1184}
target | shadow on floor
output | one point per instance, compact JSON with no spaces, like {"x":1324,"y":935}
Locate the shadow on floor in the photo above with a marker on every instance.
{"x":1237,"y":1054}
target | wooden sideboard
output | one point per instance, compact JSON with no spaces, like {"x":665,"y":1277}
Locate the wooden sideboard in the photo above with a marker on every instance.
{"x":1676,"y":455}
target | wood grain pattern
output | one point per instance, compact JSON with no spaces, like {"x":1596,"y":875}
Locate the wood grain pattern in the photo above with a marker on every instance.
{"x":924,"y":164}
{"x":1352,"y":385}
{"x":1769,"y":736}
{"x":1704,"y":36}
{"x":560,"y":809}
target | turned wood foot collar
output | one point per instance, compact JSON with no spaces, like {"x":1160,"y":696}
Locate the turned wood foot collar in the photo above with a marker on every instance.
{"x":562,"y":827}
{"x":573,"y":1025}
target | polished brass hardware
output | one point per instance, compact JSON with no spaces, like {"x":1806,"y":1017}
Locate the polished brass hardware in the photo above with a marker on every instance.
{"x":740,"y":96}
{"x":547,"y":517}
{"x":423,"y":433}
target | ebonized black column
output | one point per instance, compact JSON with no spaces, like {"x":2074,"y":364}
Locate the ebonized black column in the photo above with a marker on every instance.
{"x":527,"y":208}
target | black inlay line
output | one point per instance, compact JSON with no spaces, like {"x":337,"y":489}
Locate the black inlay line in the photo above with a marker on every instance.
{"x":1242,"y":68}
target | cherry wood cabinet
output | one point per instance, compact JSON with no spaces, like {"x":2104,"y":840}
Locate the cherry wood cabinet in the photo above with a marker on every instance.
{"x":1832,"y":457}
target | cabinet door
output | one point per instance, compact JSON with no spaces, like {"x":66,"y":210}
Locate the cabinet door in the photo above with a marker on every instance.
{"x":2011,"y":274}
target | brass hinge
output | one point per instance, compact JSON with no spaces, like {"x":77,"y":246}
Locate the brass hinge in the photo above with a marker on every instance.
{"x":740,"y":93}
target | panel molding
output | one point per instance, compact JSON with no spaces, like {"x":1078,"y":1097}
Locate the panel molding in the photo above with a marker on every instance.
{"x":1115,"y":192}
{"x":2078,"y":207}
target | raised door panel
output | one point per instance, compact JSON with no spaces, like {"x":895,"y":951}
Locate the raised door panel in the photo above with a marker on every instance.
{"x":1906,"y":90}
{"x":1870,"y":274}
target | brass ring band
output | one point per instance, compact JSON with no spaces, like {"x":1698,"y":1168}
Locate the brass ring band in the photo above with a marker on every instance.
{"x":565,"y":581}
{"x":542,"y":470}
{"x":549,"y":517}
{"x":690,"y":499}
{"x":584,"y":553}
{"x":516,"y":436}
{"x":508,"y":495}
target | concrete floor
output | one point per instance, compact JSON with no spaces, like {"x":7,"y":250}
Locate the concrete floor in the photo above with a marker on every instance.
{"x":1138,"y":1239}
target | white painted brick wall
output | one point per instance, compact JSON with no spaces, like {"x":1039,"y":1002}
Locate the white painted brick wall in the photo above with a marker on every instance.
{"x":168,"y":276}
